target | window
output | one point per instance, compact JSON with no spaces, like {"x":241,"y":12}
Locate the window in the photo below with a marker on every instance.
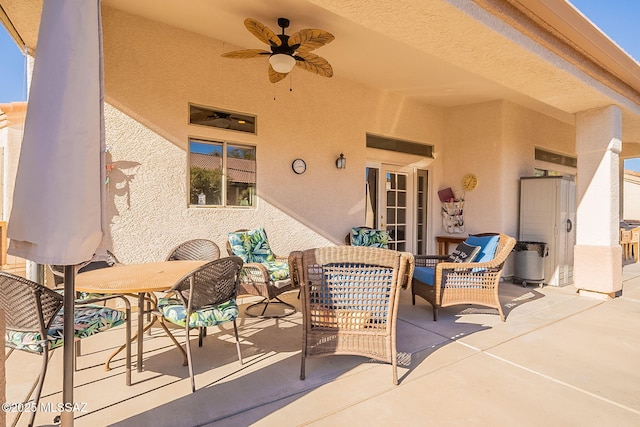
{"x":221,"y":174}
{"x":222,"y":119}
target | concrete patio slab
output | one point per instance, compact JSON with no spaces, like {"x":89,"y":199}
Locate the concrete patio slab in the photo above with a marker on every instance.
{"x":559,"y":359}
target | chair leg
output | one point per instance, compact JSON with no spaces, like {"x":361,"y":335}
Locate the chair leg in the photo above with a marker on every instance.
{"x":185,"y":361}
{"x":38,"y":388}
{"x":235,"y":329}
{"x":201,"y":335}
{"x":394,"y":365}
{"x":78,"y":352}
{"x":189,"y":361}
{"x":302,"y":360}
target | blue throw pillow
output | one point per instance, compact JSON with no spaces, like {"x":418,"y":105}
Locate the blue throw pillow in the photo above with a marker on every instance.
{"x":488,"y":246}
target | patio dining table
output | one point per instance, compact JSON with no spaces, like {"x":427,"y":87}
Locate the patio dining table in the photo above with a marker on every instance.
{"x":140,"y":280}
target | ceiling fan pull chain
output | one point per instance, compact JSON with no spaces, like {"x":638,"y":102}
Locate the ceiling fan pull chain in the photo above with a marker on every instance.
{"x":290,"y":83}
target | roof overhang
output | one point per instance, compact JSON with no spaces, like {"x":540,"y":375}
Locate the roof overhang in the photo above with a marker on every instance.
{"x":542,"y":54}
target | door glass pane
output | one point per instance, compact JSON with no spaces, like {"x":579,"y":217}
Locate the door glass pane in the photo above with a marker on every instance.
{"x":401,"y":233}
{"x":402,"y":182}
{"x":391,"y":198}
{"x":391,"y":181}
{"x":402,"y":198}
{"x":402,"y":216}
{"x":391,"y":216}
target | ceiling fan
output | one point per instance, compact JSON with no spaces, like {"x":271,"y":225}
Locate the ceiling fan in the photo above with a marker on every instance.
{"x":287,"y":51}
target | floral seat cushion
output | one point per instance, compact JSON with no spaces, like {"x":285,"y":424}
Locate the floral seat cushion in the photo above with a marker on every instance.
{"x":369,"y":237}
{"x":173,"y":310}
{"x":277,"y":270}
{"x":89,"y":320}
{"x":251,"y":246}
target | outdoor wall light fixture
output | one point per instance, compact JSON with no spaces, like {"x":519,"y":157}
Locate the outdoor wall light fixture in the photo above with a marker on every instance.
{"x":341,"y":162}
{"x":282,"y":63}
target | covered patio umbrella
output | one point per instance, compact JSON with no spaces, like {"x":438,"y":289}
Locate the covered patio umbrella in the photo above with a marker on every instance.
{"x":57,"y":204}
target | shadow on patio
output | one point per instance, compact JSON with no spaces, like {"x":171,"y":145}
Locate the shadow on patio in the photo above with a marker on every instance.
{"x":466,"y":367}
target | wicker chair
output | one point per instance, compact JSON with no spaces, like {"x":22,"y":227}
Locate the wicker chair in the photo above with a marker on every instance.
{"x":33,"y":311}
{"x":350,"y":301}
{"x":196,"y":249}
{"x":367,"y":236}
{"x":463,"y":283}
{"x":58,"y":270}
{"x":257,"y":279}
{"x":206,"y":297}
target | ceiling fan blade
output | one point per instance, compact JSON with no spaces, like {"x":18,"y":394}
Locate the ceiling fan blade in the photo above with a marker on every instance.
{"x":314,"y":63}
{"x":274,"y":76}
{"x":246,"y":53}
{"x":310,"y":39}
{"x":262,"y":33}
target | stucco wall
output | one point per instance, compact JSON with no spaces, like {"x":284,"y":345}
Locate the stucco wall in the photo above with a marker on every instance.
{"x":153,"y":71}
{"x":496,"y":141}
{"x":474,"y":144}
{"x":631,"y":188}
{"x":11,"y":141}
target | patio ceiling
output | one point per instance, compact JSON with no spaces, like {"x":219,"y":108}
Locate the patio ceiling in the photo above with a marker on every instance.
{"x":444,"y":53}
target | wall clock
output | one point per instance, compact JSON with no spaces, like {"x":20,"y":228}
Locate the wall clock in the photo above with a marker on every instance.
{"x":469,"y":182}
{"x":299,"y":166}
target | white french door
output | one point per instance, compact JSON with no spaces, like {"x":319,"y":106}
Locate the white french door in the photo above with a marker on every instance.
{"x":396,"y":206}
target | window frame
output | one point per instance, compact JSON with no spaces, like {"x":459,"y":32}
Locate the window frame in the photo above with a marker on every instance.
{"x":225,"y":144}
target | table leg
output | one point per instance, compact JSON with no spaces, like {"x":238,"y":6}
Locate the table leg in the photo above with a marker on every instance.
{"x":140,"y":338}
{"x":142,"y":328}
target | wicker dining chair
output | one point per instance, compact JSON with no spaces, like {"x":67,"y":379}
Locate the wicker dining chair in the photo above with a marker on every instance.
{"x":58,"y":270}
{"x":350,"y":301}
{"x":264,"y":274}
{"x":454,"y":283}
{"x":206,"y":297}
{"x":33,"y":311}
{"x":196,"y":249}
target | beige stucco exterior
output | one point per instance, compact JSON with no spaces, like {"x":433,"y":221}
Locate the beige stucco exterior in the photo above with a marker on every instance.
{"x":147,"y":131}
{"x":483,"y":82}
{"x":631,"y":188}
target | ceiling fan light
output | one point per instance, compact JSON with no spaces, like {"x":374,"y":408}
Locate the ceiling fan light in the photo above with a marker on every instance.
{"x":282,"y":63}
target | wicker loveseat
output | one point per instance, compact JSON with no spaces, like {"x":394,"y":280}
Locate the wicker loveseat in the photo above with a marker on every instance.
{"x":443,"y":283}
{"x":350,"y":301}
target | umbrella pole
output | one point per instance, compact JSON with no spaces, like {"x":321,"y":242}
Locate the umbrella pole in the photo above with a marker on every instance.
{"x":66,"y":417}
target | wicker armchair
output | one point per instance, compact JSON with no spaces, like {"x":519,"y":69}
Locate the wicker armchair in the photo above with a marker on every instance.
{"x":350,"y":301}
{"x":196,"y":249}
{"x":206,"y":297}
{"x":33,"y":311}
{"x":264,"y":274}
{"x":462,"y":283}
{"x":367,"y":236}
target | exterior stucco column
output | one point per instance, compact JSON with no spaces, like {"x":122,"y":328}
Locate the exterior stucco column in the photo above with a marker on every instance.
{"x":597,"y":255}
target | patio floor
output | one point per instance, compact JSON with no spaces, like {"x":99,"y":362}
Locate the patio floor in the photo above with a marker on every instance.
{"x":558,"y":360}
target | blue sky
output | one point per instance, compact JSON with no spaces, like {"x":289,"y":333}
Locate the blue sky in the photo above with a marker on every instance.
{"x":619,"y":19}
